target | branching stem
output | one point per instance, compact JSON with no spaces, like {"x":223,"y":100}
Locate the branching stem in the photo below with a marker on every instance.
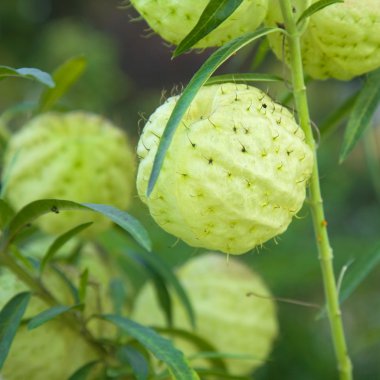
{"x":316,"y":204}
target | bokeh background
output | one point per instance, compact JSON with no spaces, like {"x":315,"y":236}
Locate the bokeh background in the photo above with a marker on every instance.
{"x":129,"y":72}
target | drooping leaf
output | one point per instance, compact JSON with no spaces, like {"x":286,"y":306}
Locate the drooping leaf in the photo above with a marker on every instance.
{"x":10,"y":319}
{"x":84,"y":372}
{"x":198,"y":80}
{"x":48,"y":315}
{"x":38,"y":208}
{"x":64,"y":77}
{"x":358,"y":271}
{"x":137,"y":361}
{"x":243,"y":77}
{"x":60,"y":241}
{"x":28,"y":73}
{"x":333,"y":120}
{"x":361,"y":115}
{"x":213,"y":15}
{"x":313,"y":8}
{"x":160,"y":347}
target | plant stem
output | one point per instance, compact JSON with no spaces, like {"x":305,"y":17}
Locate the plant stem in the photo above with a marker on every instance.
{"x":319,"y":220}
{"x":39,"y":289}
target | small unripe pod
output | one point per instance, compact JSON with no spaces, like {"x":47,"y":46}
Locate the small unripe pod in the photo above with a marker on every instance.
{"x":75,"y":156}
{"x":235,"y":173}
{"x":226,"y":316}
{"x":174,"y":19}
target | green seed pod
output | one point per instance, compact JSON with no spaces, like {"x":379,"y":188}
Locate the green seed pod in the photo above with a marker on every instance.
{"x":174,"y":19}
{"x":226,"y":316}
{"x":341,"y":41}
{"x":235,"y":173}
{"x":75,"y":156}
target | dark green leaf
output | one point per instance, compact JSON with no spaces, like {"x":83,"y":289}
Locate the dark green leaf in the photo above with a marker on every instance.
{"x":166,"y":272}
{"x":160,"y":347}
{"x":198,"y":80}
{"x":84,"y":372}
{"x":213,"y":15}
{"x":83,"y":282}
{"x":65,"y":76}
{"x":163,"y":296}
{"x":48,"y":315}
{"x":137,"y":361}
{"x":337,"y":116}
{"x":38,"y":208}
{"x":60,"y":241}
{"x":10,"y":319}
{"x":361,"y":115}
{"x":358,"y":271}
{"x":6,"y":213}
{"x":28,"y":73}
{"x":243,"y":77}
{"x":316,"y":7}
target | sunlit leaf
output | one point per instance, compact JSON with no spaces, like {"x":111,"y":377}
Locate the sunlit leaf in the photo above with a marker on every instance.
{"x":160,"y":347}
{"x":10,"y":319}
{"x":362,"y":112}
{"x":64,"y":77}
{"x":213,"y":15}
{"x":28,"y":73}
{"x":198,"y":80}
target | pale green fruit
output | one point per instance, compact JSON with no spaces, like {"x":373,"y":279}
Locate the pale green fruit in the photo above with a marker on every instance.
{"x":225,"y":315}
{"x":75,"y":156}
{"x":174,"y":19}
{"x":235,"y":173}
{"x":341,"y":41}
{"x":51,"y":351}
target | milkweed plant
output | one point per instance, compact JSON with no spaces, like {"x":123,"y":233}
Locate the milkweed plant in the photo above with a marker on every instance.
{"x":223,"y":166}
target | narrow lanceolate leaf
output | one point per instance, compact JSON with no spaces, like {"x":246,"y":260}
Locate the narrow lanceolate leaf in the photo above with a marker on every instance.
{"x":10,"y":319}
{"x":64,"y":77}
{"x":60,"y":241}
{"x":38,"y":208}
{"x":198,"y":80}
{"x":334,"y":119}
{"x":243,"y":78}
{"x":358,"y":271}
{"x":28,"y":73}
{"x":160,"y":347}
{"x":364,"y":108}
{"x":84,"y":372}
{"x":48,"y":315}
{"x":213,"y":15}
{"x":314,"y":8}
{"x":136,"y":360}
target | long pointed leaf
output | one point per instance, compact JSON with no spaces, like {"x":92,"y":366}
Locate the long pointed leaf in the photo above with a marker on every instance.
{"x":10,"y":319}
{"x":243,"y":77}
{"x":314,"y":8}
{"x":213,"y":15}
{"x":65,"y":76}
{"x":27,"y":73}
{"x":38,"y":208}
{"x":198,"y":80}
{"x":84,"y":372}
{"x":160,"y":347}
{"x":365,"y":107}
{"x":136,"y":360}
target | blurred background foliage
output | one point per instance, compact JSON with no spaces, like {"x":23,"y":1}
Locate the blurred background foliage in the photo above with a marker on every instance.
{"x":129,"y":72}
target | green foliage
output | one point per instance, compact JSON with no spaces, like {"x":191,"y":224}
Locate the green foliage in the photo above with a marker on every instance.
{"x":315,"y":7}
{"x":27,"y":73}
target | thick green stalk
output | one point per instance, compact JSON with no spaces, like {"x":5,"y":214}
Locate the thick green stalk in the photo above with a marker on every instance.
{"x":319,"y":220}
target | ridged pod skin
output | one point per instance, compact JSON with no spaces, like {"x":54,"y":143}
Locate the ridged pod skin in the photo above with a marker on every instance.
{"x":235,"y":173}
{"x":53,"y":350}
{"x":174,"y":19}
{"x":226,"y":316}
{"x":341,"y":41}
{"x":75,"y":156}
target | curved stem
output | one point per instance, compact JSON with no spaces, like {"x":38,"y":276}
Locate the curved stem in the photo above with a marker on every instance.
{"x":319,"y":220}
